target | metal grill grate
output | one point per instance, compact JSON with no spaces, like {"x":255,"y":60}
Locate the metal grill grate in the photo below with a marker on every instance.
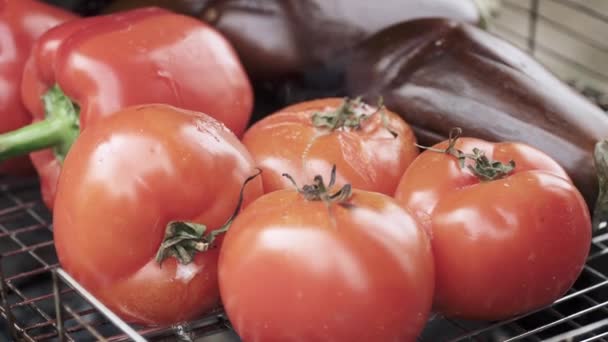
{"x":40,"y":302}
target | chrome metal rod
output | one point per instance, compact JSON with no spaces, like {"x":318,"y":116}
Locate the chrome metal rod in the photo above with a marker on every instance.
{"x":117,"y":321}
{"x":58,"y":308}
{"x":83,"y":323}
{"x":570,"y":335}
{"x":10,"y":320}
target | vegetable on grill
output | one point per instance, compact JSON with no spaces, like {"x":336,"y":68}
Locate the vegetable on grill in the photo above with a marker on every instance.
{"x":279,"y":38}
{"x":141,"y":205}
{"x":370,"y":145}
{"x":89,"y":68}
{"x":326,"y":263}
{"x":440,"y":74}
{"x":510,"y":232}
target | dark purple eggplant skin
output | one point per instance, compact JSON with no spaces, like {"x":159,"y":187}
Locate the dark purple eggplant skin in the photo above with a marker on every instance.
{"x":439,"y":74}
{"x":282,"y":37}
{"x":276,"y":39}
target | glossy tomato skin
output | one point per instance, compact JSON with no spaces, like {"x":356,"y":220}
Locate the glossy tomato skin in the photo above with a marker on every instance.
{"x":122,"y":182}
{"x":501,"y":247}
{"x":148,"y":55}
{"x":296,"y":270}
{"x":369,"y":158}
{"x":22,"y":22}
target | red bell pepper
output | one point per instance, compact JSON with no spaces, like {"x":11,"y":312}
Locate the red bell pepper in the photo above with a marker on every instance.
{"x":93,"y":67}
{"x":22,"y":22}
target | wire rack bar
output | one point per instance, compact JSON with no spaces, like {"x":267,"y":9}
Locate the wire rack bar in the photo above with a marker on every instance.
{"x":6,"y":311}
{"x":559,"y":321}
{"x":25,"y":207}
{"x":22,"y":230}
{"x":82,"y":322}
{"x":203,"y":327}
{"x":127,"y":329}
{"x":582,"y":330}
{"x":58,"y":308}
{"x":597,"y":337}
{"x":40,"y":270}
{"x":16,"y":208}
{"x":573,"y":295}
{"x":40,"y":298}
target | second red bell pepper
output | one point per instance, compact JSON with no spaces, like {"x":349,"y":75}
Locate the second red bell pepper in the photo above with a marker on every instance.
{"x":93,"y":67}
{"x":22,"y":22}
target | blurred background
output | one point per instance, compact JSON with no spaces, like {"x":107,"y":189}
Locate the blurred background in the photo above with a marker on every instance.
{"x":567,"y":36}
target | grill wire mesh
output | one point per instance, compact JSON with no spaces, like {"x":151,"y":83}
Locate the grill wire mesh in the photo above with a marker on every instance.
{"x":40,"y":302}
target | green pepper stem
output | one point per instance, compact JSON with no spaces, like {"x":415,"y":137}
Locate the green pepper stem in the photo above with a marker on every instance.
{"x":39,"y":135}
{"x":58,"y":130}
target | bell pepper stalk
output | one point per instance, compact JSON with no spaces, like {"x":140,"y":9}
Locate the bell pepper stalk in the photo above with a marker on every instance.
{"x":24,"y":22}
{"x":92,"y":67}
{"x":58,"y":130}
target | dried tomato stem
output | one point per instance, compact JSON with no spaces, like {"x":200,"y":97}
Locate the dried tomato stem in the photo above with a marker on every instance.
{"x":346,"y":116}
{"x":454,"y":134}
{"x":483,"y":168}
{"x":184,"y":239}
{"x":486,"y":169}
{"x":318,"y":191}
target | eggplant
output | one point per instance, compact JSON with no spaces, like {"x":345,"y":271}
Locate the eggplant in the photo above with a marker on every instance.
{"x":192,"y":8}
{"x":276,"y":39}
{"x":440,"y":73}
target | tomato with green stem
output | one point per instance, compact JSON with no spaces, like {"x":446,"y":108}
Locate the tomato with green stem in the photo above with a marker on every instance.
{"x":510,"y":232}
{"x":370,"y":145}
{"x":142,"y":202}
{"x":342,"y":265}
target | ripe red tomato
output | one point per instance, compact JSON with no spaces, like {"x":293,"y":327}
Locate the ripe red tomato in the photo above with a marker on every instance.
{"x":123,"y":182}
{"x":296,"y":268}
{"x":356,"y":137}
{"x":502,"y":246}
